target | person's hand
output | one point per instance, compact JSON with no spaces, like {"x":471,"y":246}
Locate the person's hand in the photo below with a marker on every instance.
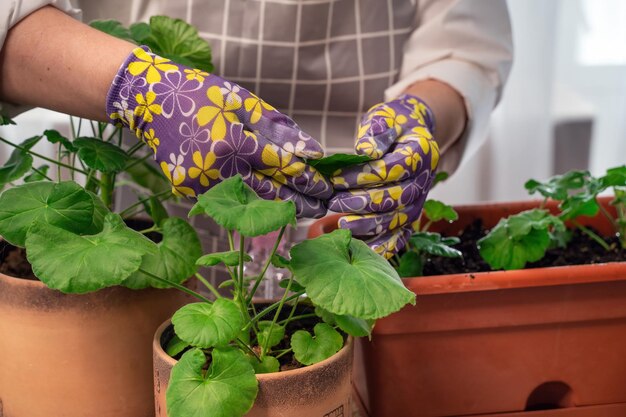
{"x":385,"y":197}
{"x":204,"y":129}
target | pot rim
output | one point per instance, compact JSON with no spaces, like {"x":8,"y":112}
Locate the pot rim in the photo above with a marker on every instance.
{"x":345,"y":350}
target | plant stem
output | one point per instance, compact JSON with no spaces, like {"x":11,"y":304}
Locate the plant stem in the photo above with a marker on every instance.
{"x":115,"y":131}
{"x":283,"y":353}
{"x":41,"y":173}
{"x":177,"y":286}
{"x":609,"y":217}
{"x":426,"y":226}
{"x":275,"y":319}
{"x":208,"y":285}
{"x":140,"y":202}
{"x":260,"y":277}
{"x":248,"y":348}
{"x":106,"y":189}
{"x":45,"y":158}
{"x":135,"y":148}
{"x":592,"y":235}
{"x":292,"y":318}
{"x":270,"y":309}
{"x":136,"y":162}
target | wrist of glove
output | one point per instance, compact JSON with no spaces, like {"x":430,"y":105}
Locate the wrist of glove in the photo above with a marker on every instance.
{"x":384,"y":197}
{"x":204,"y":129}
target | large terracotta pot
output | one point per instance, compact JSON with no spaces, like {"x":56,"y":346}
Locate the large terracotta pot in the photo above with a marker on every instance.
{"x":78,"y":355}
{"x":496,"y":342}
{"x":320,"y":390}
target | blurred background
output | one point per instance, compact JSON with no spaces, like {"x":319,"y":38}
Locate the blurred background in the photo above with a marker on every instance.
{"x":563,"y":107}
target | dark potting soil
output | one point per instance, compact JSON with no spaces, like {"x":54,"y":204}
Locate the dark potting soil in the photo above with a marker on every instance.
{"x":287,"y":361}
{"x":581,"y":250}
{"x":13,"y":260}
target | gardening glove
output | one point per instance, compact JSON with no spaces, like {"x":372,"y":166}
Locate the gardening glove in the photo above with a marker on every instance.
{"x":204,"y":129}
{"x":385,"y":196}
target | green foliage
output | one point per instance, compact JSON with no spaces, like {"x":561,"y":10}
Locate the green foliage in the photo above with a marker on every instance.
{"x":53,"y":136}
{"x":65,"y":205}
{"x":345,"y":277}
{"x":435,"y":244}
{"x":559,"y":186}
{"x":174,"y":259}
{"x":5,"y":120}
{"x":270,"y":335}
{"x":38,"y":174}
{"x":207,"y":325}
{"x":267,"y":365}
{"x":235,"y":206}
{"x":330,"y":164}
{"x":230,"y":258}
{"x":175,"y":346}
{"x":313,"y":349}
{"x":519,"y":239}
{"x":435,"y":211}
{"x":78,"y":264}
{"x":226,"y":389}
{"x":19,"y":163}
{"x":99,"y":155}
{"x":411,"y":264}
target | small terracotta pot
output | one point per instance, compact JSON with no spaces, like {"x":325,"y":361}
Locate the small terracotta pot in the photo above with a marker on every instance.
{"x":320,"y":390}
{"x":78,"y":355}
{"x":499,"y":342}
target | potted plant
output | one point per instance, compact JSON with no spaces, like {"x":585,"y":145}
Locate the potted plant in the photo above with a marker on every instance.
{"x":507,"y":342}
{"x":222,"y":357}
{"x":70,"y":351}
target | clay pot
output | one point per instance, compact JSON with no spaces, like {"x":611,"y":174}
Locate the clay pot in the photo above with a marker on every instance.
{"x":78,"y":355}
{"x":320,"y":390}
{"x":500,"y":342}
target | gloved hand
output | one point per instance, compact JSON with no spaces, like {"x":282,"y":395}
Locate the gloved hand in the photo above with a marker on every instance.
{"x":385,"y":196}
{"x":204,"y":129}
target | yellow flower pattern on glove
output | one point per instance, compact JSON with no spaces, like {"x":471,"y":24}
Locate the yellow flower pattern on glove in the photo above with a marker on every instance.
{"x":151,"y":140}
{"x":220,"y":112}
{"x":280,"y":165}
{"x":151,"y":64}
{"x":203,"y":168}
{"x":254,"y":106}
{"x":146,"y":107}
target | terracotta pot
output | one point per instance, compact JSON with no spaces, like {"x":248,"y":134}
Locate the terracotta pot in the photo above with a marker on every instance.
{"x":320,"y":390}
{"x":78,"y":355}
{"x":495,"y":342}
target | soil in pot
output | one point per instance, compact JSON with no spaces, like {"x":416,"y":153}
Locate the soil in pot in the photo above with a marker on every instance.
{"x":581,"y":250}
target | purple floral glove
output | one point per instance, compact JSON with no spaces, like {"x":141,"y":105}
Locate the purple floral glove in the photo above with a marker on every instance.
{"x":204,"y":129}
{"x":385,"y":196}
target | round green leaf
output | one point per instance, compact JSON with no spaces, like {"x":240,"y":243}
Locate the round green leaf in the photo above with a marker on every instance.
{"x":344,"y":276}
{"x":411,"y":265}
{"x":175,"y":346}
{"x":267,"y":365}
{"x":206,"y":325}
{"x":99,"y":155}
{"x":227,"y":389}
{"x":66,"y":205}
{"x":436,"y":210}
{"x":309,"y":350}
{"x":77,"y":264}
{"x":354,"y":326}
{"x":434,"y":244}
{"x":18,"y":163}
{"x":234,"y":205}
{"x":229,"y":258}
{"x":267,"y":338}
{"x":53,"y":136}
{"x":175,"y":258}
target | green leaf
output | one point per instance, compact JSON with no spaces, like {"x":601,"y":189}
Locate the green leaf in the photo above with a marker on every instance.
{"x":559,"y":186}
{"x":37,"y":176}
{"x":436,"y":210}
{"x":614,"y":177}
{"x":328,"y":165}
{"x":113,"y":28}
{"x":325,"y":315}
{"x":175,"y":346}
{"x":582,"y":204}
{"x":354,"y":326}
{"x":434,"y":244}
{"x":146,"y":175}
{"x":267,"y":365}
{"x":19,"y":163}
{"x":206,"y":325}
{"x":519,"y":239}
{"x":230,"y":258}
{"x":234,"y":205}
{"x":227,"y":389}
{"x":140,"y":31}
{"x":295,"y":287}
{"x":411,"y":265}
{"x":267,"y":338}
{"x":66,"y":205}
{"x":177,"y":40}
{"x":5,"y":120}
{"x":156,"y":210}
{"x":99,"y":155}
{"x":53,"y":136}
{"x":78,"y":264}
{"x":440,"y":177}
{"x":309,"y":350}
{"x":175,"y":258}
{"x":280,"y":261}
{"x":344,"y":276}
